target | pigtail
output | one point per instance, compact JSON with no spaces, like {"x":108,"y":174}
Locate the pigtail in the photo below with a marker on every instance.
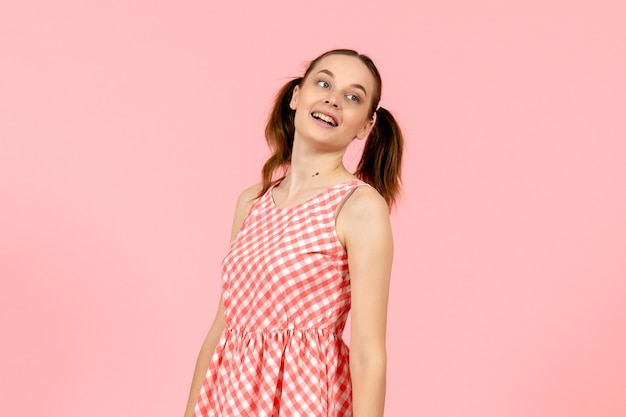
{"x":279,"y":133}
{"x":380,"y":164}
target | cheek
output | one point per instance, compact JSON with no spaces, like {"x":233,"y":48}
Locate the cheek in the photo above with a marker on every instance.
{"x":300,"y":117}
{"x":357,"y":118}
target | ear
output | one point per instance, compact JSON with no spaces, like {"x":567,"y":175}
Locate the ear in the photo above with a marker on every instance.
{"x":294,"y":97}
{"x":366,"y":129}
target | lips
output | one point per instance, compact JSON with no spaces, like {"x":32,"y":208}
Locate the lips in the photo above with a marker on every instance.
{"x":326,"y":118}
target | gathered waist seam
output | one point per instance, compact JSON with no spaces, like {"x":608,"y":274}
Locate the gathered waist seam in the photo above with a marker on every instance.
{"x":286,"y":330}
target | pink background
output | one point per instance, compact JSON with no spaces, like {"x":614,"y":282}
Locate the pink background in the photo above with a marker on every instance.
{"x":128,"y":128}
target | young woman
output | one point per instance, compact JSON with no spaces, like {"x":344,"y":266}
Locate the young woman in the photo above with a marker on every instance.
{"x":309,"y":243}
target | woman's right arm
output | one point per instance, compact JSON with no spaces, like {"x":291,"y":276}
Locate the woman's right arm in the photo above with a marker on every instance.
{"x":204,"y":358}
{"x":215,"y":332}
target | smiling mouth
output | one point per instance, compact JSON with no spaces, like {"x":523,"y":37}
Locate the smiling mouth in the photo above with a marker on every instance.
{"x":330,"y":121}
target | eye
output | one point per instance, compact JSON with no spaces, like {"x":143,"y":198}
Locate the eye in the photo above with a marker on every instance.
{"x":353,"y":97}
{"x":323,"y":84}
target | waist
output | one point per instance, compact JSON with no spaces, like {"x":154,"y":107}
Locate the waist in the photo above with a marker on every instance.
{"x":284,"y":332}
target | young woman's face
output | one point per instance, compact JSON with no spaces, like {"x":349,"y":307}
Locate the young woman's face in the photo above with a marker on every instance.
{"x":332,"y":103}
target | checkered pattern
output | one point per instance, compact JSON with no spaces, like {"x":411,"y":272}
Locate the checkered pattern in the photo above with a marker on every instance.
{"x":286,"y":299}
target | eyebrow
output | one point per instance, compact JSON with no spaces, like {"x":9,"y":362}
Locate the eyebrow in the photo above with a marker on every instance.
{"x":359,"y":86}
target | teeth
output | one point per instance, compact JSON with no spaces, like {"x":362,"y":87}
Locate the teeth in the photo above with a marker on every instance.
{"x":325,"y":118}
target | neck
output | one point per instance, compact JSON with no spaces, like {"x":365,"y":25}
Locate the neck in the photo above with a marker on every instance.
{"x":311,"y":168}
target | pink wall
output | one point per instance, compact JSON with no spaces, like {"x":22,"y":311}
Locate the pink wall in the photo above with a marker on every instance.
{"x":127,"y":128}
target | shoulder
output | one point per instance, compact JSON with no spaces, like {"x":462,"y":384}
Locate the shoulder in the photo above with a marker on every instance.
{"x":247,"y":196}
{"x":365,"y":201}
{"x":244,"y":202}
{"x":364,"y":211}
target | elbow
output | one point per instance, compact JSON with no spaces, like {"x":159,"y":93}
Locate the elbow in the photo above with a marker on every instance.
{"x":366,"y":361}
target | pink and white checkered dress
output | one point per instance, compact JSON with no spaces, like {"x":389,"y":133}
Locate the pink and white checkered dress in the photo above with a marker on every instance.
{"x":286,"y":294}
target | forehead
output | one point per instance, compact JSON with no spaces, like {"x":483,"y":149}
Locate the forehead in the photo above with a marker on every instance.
{"x":347,"y":69}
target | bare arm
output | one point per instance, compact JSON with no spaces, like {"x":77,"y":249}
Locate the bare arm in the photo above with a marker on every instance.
{"x":363,"y":226}
{"x":204,"y":358}
{"x":215,"y":332}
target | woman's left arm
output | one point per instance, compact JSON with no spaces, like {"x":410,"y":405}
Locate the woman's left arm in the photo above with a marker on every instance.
{"x":363,"y":226}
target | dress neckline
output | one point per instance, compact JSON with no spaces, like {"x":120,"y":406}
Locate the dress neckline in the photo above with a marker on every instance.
{"x":315,"y":197}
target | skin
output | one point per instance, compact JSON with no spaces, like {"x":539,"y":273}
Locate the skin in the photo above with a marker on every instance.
{"x":340,"y":87}
{"x":217,"y":327}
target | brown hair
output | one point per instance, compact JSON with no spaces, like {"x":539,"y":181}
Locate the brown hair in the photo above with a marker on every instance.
{"x":380,"y":164}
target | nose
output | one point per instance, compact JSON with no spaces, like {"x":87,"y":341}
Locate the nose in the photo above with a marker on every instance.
{"x":332,"y":100}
